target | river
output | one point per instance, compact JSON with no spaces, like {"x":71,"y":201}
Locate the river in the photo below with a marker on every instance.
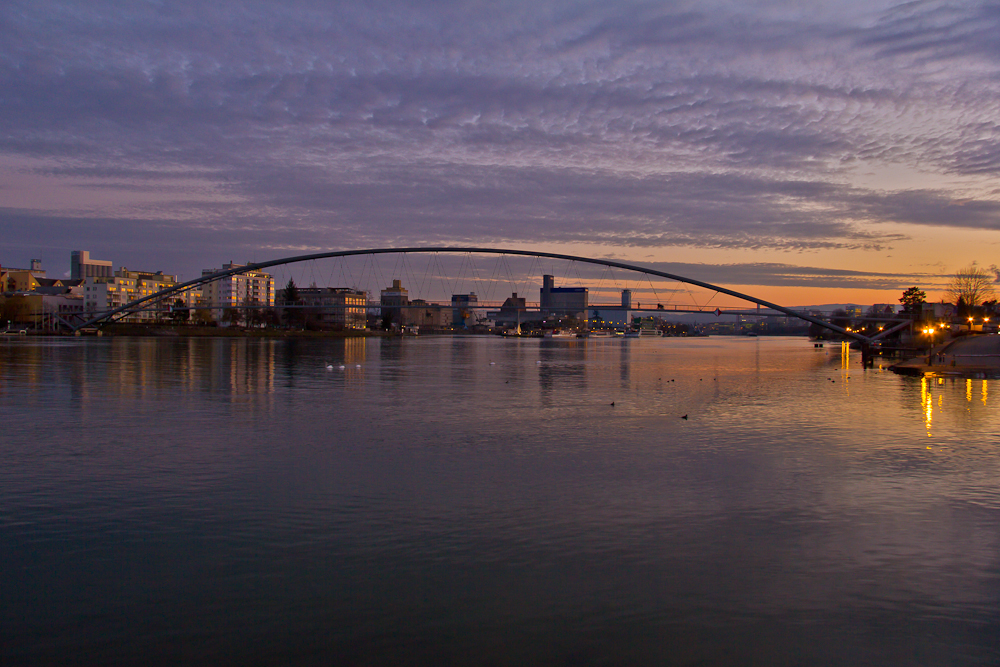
{"x":488,"y":501}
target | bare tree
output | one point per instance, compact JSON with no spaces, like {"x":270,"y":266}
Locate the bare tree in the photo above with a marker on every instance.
{"x":971,"y":284}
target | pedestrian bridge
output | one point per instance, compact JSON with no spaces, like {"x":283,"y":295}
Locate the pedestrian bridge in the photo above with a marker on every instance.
{"x":637,"y":269}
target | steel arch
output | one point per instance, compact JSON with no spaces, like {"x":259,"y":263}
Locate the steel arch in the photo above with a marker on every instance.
{"x":470,"y":249}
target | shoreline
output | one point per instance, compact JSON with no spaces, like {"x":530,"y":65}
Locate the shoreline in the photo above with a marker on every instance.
{"x":140,"y":330}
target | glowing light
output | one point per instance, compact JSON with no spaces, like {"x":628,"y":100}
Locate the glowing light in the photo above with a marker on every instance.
{"x":926,"y":403}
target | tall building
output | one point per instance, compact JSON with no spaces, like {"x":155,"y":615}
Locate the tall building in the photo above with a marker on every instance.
{"x":394,"y":301}
{"x":513,"y":311}
{"x":333,"y":307}
{"x":462,"y":309}
{"x":563,"y":301}
{"x":239,"y":289}
{"x":102,"y":293}
{"x":615,"y":317}
{"x":427,"y":316}
{"x":82,"y":266}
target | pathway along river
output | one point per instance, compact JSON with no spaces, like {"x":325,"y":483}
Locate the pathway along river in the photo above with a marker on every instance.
{"x":480,"y":501}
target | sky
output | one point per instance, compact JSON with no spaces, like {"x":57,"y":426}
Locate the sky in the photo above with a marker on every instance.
{"x":800,"y":154}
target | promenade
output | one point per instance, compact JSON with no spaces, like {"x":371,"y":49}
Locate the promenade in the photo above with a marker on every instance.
{"x":969,"y":356}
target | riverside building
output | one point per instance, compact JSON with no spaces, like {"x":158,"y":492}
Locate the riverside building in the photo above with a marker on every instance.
{"x":250,"y":288}
{"x":563,"y":301}
{"x":333,"y":307}
{"x":81,"y":266}
{"x":103,"y":293}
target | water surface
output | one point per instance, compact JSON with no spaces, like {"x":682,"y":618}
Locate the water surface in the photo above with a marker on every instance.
{"x":481,"y":501}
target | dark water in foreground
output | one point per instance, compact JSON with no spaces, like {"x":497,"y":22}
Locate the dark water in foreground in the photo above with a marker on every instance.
{"x":236,"y":502}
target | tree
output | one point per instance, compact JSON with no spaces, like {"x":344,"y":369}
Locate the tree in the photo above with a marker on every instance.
{"x":251,"y":311}
{"x":961,"y":308}
{"x":290,"y":297}
{"x":232,"y":315}
{"x":912,"y":299}
{"x":388,"y":318}
{"x":291,"y":294}
{"x":972,"y":284}
{"x":179,"y":311}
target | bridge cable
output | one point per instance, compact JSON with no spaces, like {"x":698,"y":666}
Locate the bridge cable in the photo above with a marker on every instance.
{"x":652,"y":289}
{"x":510,"y":275}
{"x":694,"y":301}
{"x":709,"y":302}
{"x":467,"y":259}
{"x":441,"y":274}
{"x":424,"y":281}
{"x":329,"y":279}
{"x":395,"y":268}
{"x":411,"y":276}
{"x":364,"y":271}
{"x":378,"y":269}
{"x":373,"y":273}
{"x":493,"y":276}
{"x":479,"y":280}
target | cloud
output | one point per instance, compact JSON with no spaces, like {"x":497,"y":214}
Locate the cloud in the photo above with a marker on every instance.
{"x":696,"y":125}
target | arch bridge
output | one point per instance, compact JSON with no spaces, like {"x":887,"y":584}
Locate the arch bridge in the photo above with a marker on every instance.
{"x":124,"y":310}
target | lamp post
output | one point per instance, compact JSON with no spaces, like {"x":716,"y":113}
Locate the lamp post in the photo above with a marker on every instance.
{"x":970,"y":324}
{"x":930,"y":349}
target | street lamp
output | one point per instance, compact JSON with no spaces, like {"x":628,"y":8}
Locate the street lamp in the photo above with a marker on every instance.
{"x":930,"y":349}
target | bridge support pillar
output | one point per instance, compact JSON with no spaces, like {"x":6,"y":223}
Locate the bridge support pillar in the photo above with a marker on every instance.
{"x":867,"y":360}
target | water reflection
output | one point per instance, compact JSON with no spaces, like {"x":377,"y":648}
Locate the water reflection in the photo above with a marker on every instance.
{"x":483,"y":495}
{"x":142,"y":369}
{"x":949,"y":393}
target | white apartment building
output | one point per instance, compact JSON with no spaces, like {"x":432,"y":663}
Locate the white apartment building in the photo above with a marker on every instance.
{"x":103,"y":293}
{"x":239,"y":289}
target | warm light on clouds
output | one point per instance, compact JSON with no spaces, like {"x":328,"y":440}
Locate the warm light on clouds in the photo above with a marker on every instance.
{"x":766,"y":146}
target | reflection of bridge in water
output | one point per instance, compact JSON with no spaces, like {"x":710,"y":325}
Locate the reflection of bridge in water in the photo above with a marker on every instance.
{"x":502,"y":273}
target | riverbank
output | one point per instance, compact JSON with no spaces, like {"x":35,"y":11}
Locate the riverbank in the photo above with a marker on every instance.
{"x":970,"y":356}
{"x":229,"y":332}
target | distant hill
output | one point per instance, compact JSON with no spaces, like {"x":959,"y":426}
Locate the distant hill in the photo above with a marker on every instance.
{"x":830,"y":307}
{"x":692,"y":318}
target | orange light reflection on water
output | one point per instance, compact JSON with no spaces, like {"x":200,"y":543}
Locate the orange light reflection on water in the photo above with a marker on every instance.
{"x":926,"y":404}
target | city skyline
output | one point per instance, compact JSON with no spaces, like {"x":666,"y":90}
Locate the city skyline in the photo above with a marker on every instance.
{"x":802,"y":155}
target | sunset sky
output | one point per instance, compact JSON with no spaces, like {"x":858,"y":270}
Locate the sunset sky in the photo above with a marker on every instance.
{"x":803,"y":155}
